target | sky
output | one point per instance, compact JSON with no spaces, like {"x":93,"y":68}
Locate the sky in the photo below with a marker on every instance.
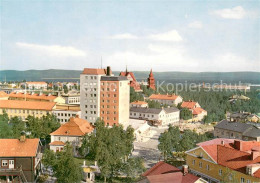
{"x":177,"y":35}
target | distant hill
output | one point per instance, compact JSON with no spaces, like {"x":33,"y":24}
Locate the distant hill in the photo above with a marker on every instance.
{"x":173,"y":77}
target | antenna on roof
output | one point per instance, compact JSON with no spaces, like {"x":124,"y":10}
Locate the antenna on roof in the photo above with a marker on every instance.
{"x":101,"y":62}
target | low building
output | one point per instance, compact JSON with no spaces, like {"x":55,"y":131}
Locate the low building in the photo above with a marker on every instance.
{"x":163,"y":172}
{"x":236,"y":130}
{"x":36,"y":97}
{"x":166,"y":99}
{"x":64,"y":112}
{"x":197,"y":112}
{"x":72,"y":132}
{"x":242,"y":116}
{"x":225,"y":160}
{"x":23,"y":109}
{"x":36,"y":85}
{"x":71,"y":98}
{"x":160,"y":117}
{"x":20,"y":160}
{"x":90,"y":172}
{"x":139,"y":104}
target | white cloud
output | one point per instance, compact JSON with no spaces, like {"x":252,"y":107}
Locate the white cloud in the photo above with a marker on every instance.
{"x":53,"y":50}
{"x":237,"y":12}
{"x":195,"y":25}
{"x":172,"y":35}
{"x":123,"y":36}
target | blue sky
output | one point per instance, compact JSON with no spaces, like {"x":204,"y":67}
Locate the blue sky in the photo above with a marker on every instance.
{"x":168,"y":35}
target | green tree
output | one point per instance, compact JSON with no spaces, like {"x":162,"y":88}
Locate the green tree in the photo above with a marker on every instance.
{"x":134,"y":167}
{"x":185,"y":114}
{"x":110,"y":147}
{"x":5,"y":128}
{"x":64,"y":166}
{"x":18,"y":126}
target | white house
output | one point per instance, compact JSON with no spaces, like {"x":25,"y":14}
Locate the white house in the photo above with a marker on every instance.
{"x":163,"y":116}
{"x":72,"y":132}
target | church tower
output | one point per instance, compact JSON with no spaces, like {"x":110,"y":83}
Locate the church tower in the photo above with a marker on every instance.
{"x":151,"y":81}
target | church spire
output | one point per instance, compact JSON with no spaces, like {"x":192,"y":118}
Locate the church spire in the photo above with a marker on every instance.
{"x":126,"y":69}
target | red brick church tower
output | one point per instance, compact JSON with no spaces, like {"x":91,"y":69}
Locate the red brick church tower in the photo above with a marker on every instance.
{"x":151,"y":81}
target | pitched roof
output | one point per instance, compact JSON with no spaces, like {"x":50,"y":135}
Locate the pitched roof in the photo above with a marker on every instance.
{"x":36,"y":82}
{"x":216,"y":141}
{"x":138,"y":102}
{"x":92,"y":71}
{"x":20,"y":104}
{"x":75,"y":127}
{"x":189,"y":104}
{"x":153,"y":110}
{"x":33,"y":96}
{"x":16,"y":148}
{"x":163,"y":172}
{"x":3,"y":94}
{"x":246,"y":129}
{"x":235,"y":155}
{"x":57,"y":143}
{"x":198,"y":110}
{"x":163,"y":97}
{"x":127,"y":74}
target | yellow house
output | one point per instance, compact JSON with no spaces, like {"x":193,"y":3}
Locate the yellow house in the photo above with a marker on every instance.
{"x":23,"y":109}
{"x":226,"y":160}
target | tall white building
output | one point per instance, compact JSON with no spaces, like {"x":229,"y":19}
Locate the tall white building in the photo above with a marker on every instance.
{"x":90,"y":93}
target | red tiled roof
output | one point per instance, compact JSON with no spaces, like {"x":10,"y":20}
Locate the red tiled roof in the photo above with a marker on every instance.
{"x":160,"y":168}
{"x":91,"y":71}
{"x":16,"y":148}
{"x":128,"y":73}
{"x":216,"y":141}
{"x":57,"y":143}
{"x":189,"y":104}
{"x":139,"y":102}
{"x":163,"y":97}
{"x":235,"y":155}
{"x":3,"y":94}
{"x":32,"y":96}
{"x":75,"y":127}
{"x":198,"y":110}
{"x":20,"y":104}
{"x":163,"y":172}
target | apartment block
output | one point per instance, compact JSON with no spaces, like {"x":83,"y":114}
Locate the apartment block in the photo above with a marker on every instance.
{"x":115,"y":97}
{"x":104,"y":96}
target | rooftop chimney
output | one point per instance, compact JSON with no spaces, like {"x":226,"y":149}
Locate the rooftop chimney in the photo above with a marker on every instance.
{"x":222,"y":142}
{"x":238,"y":145}
{"x":22,"y":137}
{"x":108,"y":71}
{"x":185,"y":169}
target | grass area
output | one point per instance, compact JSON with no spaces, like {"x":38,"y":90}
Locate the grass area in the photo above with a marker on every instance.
{"x":81,"y":160}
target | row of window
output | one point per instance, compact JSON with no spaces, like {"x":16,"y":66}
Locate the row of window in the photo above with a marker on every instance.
{"x":107,"y":112}
{"x":108,"y":118}
{"x":91,"y":106}
{"x":65,"y":114}
{"x":90,"y":89}
{"x":91,"y":77}
{"x":220,"y":172}
{"x":18,"y":111}
{"x":91,"y":112}
{"x":108,"y":95}
{"x":108,"y":101}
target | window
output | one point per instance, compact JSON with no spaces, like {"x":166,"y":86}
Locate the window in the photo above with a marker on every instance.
{"x":200,"y":164}
{"x":193,"y":162}
{"x":4,"y":163}
{"x":242,"y":180}
{"x":220,"y":172}
{"x":207,"y":167}
{"x":248,"y":181}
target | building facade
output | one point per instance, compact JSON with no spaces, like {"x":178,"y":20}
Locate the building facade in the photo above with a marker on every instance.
{"x":20,"y":160}
{"x":160,"y":117}
{"x":72,"y":131}
{"x":166,"y":99}
{"x":23,"y":109}
{"x":133,"y":82}
{"x":90,"y":93}
{"x":115,"y":98}
{"x":139,"y":104}
{"x":225,"y":161}
{"x":236,"y":130}
{"x":65,"y":112}
{"x":36,"y":85}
